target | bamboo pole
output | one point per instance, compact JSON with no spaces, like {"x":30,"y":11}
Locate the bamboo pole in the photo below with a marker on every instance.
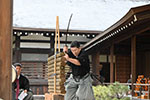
{"x":57,"y":39}
{"x":58,"y":34}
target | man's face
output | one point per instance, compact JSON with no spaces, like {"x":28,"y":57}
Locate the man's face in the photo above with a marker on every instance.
{"x":18,"y":69}
{"x":65,"y":49}
{"x":75,"y":51}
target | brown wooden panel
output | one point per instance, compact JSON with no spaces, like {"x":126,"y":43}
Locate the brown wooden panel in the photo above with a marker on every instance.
{"x":5,"y":48}
{"x":123,"y":68}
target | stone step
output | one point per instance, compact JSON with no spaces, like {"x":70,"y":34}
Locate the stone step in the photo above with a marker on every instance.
{"x":39,"y":97}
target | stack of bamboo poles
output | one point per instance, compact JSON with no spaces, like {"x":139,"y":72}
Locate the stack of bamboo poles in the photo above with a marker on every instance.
{"x":61,"y":70}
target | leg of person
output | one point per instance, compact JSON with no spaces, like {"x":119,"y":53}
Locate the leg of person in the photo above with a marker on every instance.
{"x":29,"y":96}
{"x":85,"y":91}
{"x":71,"y":89}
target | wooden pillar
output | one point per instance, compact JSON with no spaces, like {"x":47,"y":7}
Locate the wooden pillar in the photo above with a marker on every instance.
{"x":52,"y":44}
{"x":112,"y":64}
{"x":133,"y":61}
{"x":17,"y":54}
{"x":5,"y":49}
{"x":95,"y":64}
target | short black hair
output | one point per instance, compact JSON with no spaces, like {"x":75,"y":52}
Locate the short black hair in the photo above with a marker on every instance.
{"x":17,"y":64}
{"x":65,"y":45}
{"x":75,"y":44}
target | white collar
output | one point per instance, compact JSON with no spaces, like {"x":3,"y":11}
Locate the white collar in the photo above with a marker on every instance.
{"x":18,"y":77}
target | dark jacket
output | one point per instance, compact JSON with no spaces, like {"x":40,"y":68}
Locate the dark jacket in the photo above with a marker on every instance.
{"x":84,"y":68}
{"x":23,"y":83}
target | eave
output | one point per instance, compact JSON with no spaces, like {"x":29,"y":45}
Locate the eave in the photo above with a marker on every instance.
{"x":133,"y":21}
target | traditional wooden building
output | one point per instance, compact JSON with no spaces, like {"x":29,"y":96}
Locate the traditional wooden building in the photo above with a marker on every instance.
{"x":123,"y":48}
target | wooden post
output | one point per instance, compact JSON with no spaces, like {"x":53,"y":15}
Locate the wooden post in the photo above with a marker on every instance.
{"x":57,"y":39}
{"x":133,"y":61}
{"x":111,"y":64}
{"x":95,"y":64}
{"x":17,"y":55}
{"x":57,"y":35}
{"x":5,"y":49}
{"x":52,"y":45}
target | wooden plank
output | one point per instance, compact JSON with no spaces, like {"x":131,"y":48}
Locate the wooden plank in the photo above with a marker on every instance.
{"x":57,"y":80}
{"x":58,"y":77}
{"x":52,"y":96}
{"x":57,"y":72}
{"x":57,"y":87}
{"x":58,"y":64}
{"x":57,"y":56}
{"x":58,"y":91}
{"x":59,"y":67}
{"x":60,"y":59}
{"x":5,"y":49}
{"x":50,"y":82}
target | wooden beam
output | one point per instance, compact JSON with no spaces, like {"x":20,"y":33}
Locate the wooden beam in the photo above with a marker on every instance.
{"x":44,"y":30}
{"x":111,"y":64}
{"x":133,"y":61}
{"x":47,"y":41}
{"x":5,"y":49}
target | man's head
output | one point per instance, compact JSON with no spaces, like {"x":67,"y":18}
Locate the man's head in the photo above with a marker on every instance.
{"x":65,"y":49}
{"x":18,"y":68}
{"x":75,"y":48}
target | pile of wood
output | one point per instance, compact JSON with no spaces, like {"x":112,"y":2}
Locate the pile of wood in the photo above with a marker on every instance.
{"x":61,"y":70}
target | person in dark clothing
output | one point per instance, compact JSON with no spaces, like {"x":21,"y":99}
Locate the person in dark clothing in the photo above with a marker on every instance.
{"x":79,"y":85}
{"x":130,"y":87}
{"x":21,"y":84}
{"x":65,"y":49}
{"x":130,"y":81}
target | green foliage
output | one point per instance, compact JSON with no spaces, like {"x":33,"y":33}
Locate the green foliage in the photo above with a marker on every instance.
{"x":115,"y":91}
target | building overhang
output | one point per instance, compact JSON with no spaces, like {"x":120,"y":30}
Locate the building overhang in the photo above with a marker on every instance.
{"x":136,"y":21}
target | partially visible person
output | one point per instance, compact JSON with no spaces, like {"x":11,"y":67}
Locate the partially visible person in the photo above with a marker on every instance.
{"x":101,"y":76}
{"x":65,"y":49}
{"x":79,"y":85}
{"x":21,"y":84}
{"x":130,"y":81}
